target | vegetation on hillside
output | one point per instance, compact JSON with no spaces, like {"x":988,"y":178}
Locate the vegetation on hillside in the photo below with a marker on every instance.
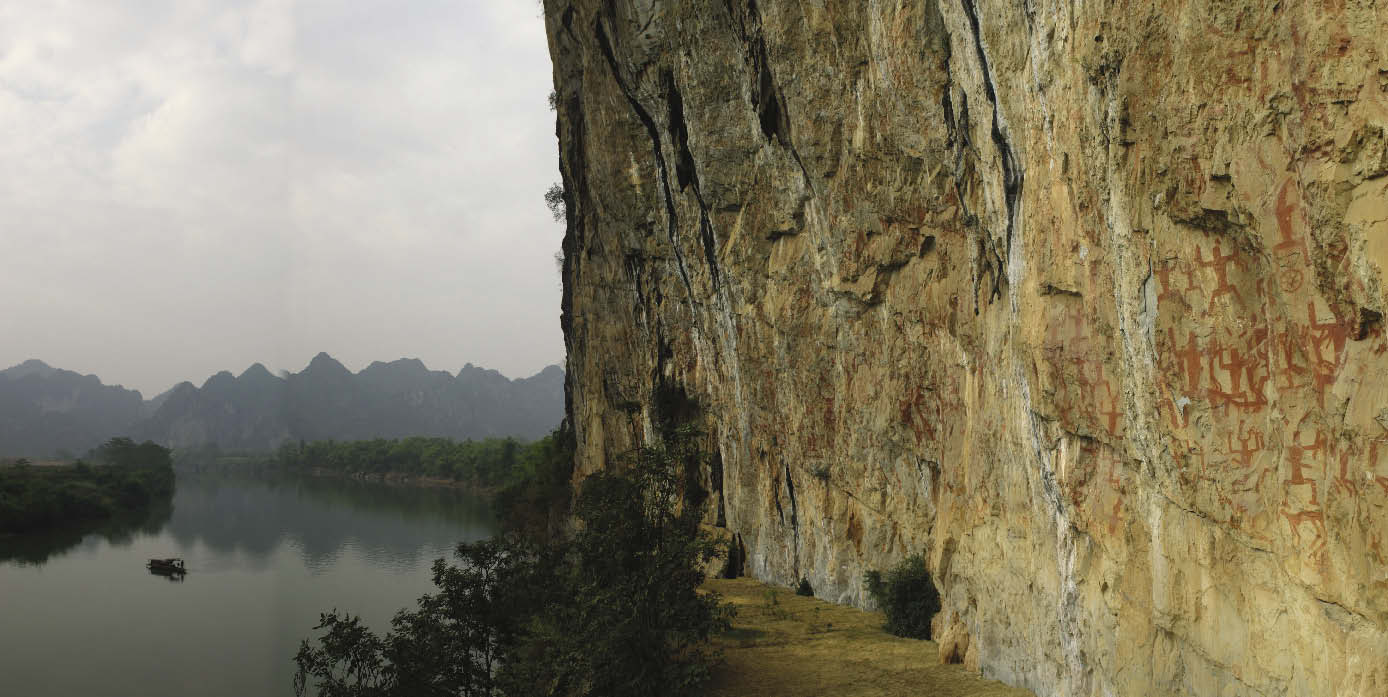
{"x":535,"y":502}
{"x":610,"y":610}
{"x":127,"y":477}
{"x":489,"y":463}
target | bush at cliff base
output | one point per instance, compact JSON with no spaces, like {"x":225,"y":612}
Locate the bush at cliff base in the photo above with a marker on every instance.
{"x":907,"y":595}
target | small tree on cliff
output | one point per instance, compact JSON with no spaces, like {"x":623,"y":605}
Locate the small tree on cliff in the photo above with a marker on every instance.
{"x":554,"y":201}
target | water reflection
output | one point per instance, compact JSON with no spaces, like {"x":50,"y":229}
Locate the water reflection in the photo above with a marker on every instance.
{"x":264,"y":556}
{"x":118,"y":531}
{"x":249,"y":519}
{"x":169,"y":576}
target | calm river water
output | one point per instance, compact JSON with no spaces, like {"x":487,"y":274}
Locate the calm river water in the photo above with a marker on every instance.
{"x":81,"y":615}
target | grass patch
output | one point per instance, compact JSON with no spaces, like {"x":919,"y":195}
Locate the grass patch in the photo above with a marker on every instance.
{"x":796,"y":646}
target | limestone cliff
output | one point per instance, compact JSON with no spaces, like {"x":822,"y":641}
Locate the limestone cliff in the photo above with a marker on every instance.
{"x":1081,"y":300}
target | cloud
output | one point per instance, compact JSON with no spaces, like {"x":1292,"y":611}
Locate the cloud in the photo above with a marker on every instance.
{"x":202,"y":185}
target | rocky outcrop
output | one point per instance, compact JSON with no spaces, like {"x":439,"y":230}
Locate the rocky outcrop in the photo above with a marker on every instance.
{"x":1083,"y":301}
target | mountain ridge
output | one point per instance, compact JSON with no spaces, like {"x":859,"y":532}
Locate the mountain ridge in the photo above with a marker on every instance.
{"x":48,"y":411}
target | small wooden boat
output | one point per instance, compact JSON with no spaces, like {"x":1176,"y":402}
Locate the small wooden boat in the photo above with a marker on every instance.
{"x":167,"y":566}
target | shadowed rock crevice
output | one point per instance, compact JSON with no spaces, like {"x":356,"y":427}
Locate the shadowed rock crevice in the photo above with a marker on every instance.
{"x":794,"y":521}
{"x":657,"y":150}
{"x":687,"y":174}
{"x":766,"y":97}
{"x":1011,"y":168}
{"x":716,"y":478}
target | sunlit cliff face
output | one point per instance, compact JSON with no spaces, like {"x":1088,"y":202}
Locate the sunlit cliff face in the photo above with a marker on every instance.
{"x":1085,"y":303}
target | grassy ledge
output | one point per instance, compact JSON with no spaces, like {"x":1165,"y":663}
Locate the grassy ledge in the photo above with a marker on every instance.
{"x":786,"y":645}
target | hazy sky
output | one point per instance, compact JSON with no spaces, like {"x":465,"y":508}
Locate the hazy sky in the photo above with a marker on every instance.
{"x":188,"y":186}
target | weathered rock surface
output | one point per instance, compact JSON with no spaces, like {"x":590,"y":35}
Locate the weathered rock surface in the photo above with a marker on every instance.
{"x":1081,"y":300}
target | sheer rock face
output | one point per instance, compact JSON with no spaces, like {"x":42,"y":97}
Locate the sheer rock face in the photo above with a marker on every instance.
{"x":1083,"y":301}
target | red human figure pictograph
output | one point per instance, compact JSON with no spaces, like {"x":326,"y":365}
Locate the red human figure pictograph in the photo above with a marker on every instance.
{"x":1219,"y":263}
{"x":1190,"y":357}
{"x":1168,"y":291}
{"x":1322,"y":336}
{"x":1285,"y":209}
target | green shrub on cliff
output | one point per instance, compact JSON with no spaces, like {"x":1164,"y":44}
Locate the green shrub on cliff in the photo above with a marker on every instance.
{"x":907,"y":595}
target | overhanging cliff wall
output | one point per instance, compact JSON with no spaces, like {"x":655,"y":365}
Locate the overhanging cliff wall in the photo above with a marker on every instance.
{"x":1081,"y":300}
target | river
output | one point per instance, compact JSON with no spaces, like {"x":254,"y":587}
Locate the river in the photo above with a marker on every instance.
{"x":81,"y":615}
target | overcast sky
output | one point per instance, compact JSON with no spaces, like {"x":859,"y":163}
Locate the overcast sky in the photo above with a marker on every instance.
{"x":188,"y":186}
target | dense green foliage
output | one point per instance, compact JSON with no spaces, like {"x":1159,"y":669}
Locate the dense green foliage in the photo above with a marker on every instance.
{"x":487,"y":463}
{"x":907,"y":595}
{"x":535,"y":503}
{"x":451,"y":644}
{"x":130,"y":477}
{"x":611,"y":611}
{"x":127,"y":454}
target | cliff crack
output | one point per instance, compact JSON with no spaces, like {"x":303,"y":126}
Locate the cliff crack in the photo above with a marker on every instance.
{"x":766,"y":96}
{"x":1053,"y":289}
{"x":645,"y":117}
{"x":1347,"y":618}
{"x":688,"y":175}
{"x":794,"y":520}
{"x":987,"y":258}
{"x":1207,"y":520}
{"x":716,"y":479}
{"x":1012,"y":177}
{"x":776,"y":498}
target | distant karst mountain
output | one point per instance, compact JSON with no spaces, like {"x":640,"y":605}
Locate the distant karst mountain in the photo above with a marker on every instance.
{"x":44,"y":410}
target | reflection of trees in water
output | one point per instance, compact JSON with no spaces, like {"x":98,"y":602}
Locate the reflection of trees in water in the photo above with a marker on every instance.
{"x":253,"y":516}
{"x":389,"y":524}
{"x":119,"y":530}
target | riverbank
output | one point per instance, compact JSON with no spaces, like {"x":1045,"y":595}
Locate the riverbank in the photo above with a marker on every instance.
{"x":41,"y":499}
{"x":405,"y":479}
{"x":784,"y":645}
